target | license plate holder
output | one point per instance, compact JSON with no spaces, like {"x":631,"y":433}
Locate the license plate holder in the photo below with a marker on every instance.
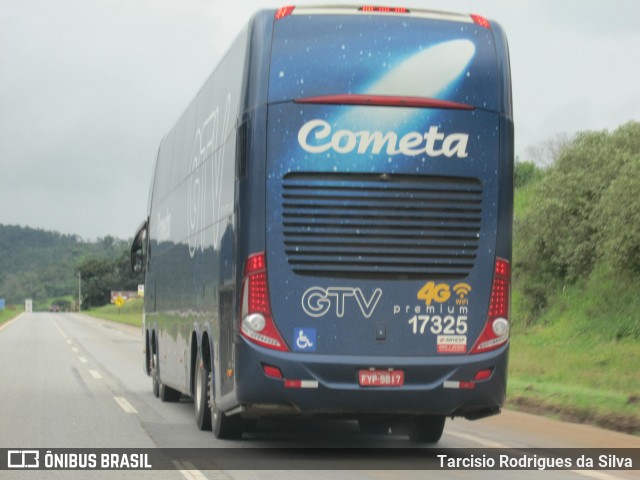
{"x":381,"y":378}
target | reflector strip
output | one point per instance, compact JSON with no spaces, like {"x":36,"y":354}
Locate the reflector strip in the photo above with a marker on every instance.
{"x":459,"y":385}
{"x":301,"y":384}
{"x":385,"y":101}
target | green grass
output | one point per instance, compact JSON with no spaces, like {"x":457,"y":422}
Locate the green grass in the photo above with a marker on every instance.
{"x":10,"y":312}
{"x":523,"y":201}
{"x":130,"y":313}
{"x":581,"y":359}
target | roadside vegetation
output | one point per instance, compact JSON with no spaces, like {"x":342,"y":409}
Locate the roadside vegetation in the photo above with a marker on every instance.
{"x":9,"y":313}
{"x":130,"y":313}
{"x":576,"y":324}
{"x":44,"y":266}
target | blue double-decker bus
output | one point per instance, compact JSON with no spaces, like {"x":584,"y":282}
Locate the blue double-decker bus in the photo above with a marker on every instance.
{"x":329,"y":225}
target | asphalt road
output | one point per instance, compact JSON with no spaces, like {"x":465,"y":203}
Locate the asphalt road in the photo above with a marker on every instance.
{"x":71,"y":381}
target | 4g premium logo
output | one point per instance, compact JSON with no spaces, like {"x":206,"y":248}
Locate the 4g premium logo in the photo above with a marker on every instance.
{"x":441,"y":293}
{"x":448,"y":324}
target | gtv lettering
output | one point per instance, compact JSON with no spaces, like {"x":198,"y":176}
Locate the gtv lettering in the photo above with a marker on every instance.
{"x":433,"y":142}
{"x":318,"y":302}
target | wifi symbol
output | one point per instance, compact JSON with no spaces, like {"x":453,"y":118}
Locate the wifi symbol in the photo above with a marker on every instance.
{"x":462,"y":289}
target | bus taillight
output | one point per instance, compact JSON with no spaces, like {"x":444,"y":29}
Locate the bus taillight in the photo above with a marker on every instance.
{"x":256,"y":322}
{"x":496,"y":330}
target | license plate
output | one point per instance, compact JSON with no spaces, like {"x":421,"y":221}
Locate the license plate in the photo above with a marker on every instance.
{"x":381,"y":378}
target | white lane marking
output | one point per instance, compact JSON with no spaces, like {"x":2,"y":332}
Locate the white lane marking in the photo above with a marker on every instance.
{"x":597,"y":475}
{"x":189,"y":471}
{"x":60,"y":331}
{"x":82,"y":359}
{"x":95,"y":374}
{"x":125,"y":405}
{"x":75,"y":350}
{"x":69,"y":342}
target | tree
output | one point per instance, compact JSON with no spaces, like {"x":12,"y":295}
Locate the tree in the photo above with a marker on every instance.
{"x":41,"y":265}
{"x":100,"y":276}
{"x":586,"y":215}
{"x":525,"y":173}
{"x":546,"y":153}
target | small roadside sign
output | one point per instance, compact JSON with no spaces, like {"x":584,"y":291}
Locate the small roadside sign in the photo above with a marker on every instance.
{"x":1,"y":304}
{"x":119,"y":301}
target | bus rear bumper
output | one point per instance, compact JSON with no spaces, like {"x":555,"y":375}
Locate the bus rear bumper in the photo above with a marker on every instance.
{"x":272,"y":383}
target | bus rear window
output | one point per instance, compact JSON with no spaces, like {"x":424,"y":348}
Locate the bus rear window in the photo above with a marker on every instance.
{"x":320,"y":55}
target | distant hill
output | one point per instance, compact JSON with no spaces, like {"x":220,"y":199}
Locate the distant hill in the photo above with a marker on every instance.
{"x":44,"y":265}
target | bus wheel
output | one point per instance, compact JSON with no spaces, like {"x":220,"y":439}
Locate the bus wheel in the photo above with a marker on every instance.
{"x":166,"y":394}
{"x":155,"y":382}
{"x":201,"y":395}
{"x":427,"y":428}
{"x":223,"y":426}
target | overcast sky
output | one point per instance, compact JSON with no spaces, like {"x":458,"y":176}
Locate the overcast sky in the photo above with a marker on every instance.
{"x":88,"y":88}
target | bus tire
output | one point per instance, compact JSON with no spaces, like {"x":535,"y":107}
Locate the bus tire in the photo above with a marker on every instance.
{"x":155,"y":381}
{"x":427,"y":428}
{"x":166,"y":394}
{"x":223,"y":426}
{"x":201,"y":394}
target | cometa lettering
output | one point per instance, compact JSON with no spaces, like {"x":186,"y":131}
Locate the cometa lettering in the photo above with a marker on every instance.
{"x":317,"y":136}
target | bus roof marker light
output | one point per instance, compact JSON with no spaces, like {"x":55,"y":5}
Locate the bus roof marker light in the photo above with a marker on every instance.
{"x":374,"y":9}
{"x":284,"y":12}
{"x":481,"y":21}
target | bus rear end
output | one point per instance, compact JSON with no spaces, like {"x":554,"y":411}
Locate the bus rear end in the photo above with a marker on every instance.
{"x":383,"y":289}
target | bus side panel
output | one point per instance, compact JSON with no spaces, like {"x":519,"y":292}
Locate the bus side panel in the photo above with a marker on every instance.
{"x":505,"y":218}
{"x":192,"y":224}
{"x":505,"y":196}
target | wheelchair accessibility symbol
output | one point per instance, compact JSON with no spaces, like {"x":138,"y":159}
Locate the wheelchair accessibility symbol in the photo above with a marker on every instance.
{"x":305,"y":340}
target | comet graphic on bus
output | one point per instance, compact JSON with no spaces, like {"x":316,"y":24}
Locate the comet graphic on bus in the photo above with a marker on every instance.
{"x":414,"y":80}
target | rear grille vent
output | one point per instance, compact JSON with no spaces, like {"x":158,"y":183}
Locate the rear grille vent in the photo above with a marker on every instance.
{"x":381,"y":226}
